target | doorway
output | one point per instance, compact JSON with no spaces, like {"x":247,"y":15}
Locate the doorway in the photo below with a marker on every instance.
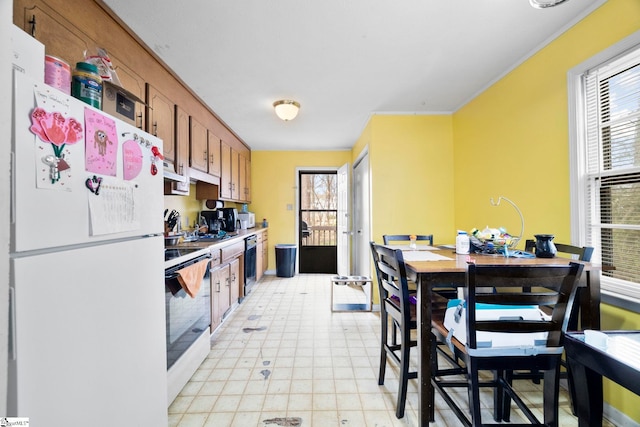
{"x":361,"y":217}
{"x":317,"y":219}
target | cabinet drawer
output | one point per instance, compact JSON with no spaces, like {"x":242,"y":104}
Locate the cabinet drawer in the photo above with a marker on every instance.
{"x":232,"y":251}
{"x":216,"y":257}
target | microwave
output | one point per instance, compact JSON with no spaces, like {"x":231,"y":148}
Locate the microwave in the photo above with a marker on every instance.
{"x":250,"y":217}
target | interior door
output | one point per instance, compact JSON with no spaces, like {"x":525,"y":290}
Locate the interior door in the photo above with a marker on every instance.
{"x":344,"y":233}
{"x":361,"y":217}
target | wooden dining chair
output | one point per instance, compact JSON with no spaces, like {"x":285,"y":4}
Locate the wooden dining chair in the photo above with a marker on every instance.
{"x":397,"y":311}
{"x":536,"y":343}
{"x":582,"y":253}
{"x":388,"y":239}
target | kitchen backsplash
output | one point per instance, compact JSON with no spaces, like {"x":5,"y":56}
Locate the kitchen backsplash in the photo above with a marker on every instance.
{"x":189,"y":207}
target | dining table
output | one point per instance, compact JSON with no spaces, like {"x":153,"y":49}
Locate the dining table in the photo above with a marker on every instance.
{"x":432,"y":267}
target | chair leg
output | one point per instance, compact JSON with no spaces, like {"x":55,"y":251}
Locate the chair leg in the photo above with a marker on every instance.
{"x":506,"y":399}
{"x":551,"y":391}
{"x":383,"y":351}
{"x":405,"y":348}
{"x":498,"y":395}
{"x":572,"y":389}
{"x":434,"y":372}
{"x":474,"y":392}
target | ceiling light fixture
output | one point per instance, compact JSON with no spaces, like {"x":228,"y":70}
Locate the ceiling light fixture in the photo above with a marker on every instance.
{"x":286,"y":109}
{"x":543,"y":4}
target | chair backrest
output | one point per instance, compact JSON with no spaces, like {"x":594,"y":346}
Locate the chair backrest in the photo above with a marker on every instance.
{"x":388,"y":238}
{"x":583,"y":253}
{"x":392,"y":282}
{"x":552,"y":286}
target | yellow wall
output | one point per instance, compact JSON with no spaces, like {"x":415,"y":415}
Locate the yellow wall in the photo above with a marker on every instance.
{"x":411,"y":161}
{"x":188,"y":207}
{"x":273,"y":187}
{"x":512,"y":140}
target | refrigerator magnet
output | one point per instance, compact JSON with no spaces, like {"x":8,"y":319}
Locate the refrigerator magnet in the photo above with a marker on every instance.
{"x":132,"y":159}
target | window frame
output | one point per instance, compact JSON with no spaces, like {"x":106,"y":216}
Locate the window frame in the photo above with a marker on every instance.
{"x":611,"y":294}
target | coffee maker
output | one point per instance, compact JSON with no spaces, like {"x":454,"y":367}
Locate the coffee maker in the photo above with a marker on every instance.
{"x":214,"y":221}
{"x":230,"y":217}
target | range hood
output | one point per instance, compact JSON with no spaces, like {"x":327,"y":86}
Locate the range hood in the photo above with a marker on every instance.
{"x":169,"y":174}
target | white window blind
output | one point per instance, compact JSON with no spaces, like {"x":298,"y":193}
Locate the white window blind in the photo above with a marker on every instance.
{"x":612,"y":171}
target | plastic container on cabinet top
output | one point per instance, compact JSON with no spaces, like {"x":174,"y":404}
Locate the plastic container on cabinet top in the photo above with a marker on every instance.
{"x":86,"y":84}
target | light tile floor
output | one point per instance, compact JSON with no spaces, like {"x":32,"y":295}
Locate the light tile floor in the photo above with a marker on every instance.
{"x":284,"y":359}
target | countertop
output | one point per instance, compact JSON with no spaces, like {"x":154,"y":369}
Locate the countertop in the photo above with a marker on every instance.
{"x":238,"y":236}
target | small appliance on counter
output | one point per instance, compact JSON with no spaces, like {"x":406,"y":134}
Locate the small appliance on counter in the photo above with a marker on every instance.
{"x":213,"y":220}
{"x":230,"y":216}
{"x":248,"y":218}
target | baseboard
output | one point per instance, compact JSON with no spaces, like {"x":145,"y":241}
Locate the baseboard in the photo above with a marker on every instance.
{"x":618,"y":418}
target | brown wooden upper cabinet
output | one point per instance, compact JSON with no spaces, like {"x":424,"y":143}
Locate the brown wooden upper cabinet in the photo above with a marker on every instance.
{"x":182,"y":152}
{"x":161,"y":123}
{"x":214,"y":154}
{"x":225,"y":171}
{"x":234,"y":179}
{"x":244,"y":179}
{"x":199,"y":158}
{"x":171,"y":124}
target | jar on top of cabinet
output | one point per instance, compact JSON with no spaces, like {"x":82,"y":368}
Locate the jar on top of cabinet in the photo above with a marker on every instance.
{"x":86,"y":84}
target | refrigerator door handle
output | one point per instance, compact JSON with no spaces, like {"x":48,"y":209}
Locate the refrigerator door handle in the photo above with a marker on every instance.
{"x":12,"y":325}
{"x":12,"y":198}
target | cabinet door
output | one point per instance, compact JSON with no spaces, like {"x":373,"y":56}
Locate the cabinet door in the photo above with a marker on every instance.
{"x":235,"y":175}
{"x":134,"y":84}
{"x":265,"y":254}
{"x":182,"y":146}
{"x":160,"y":121}
{"x":214,"y":154}
{"x":216,"y":285}
{"x":247,"y":181}
{"x":234,"y":280}
{"x":259,"y":261}
{"x":225,"y":290}
{"x":242,"y":178}
{"x":225,"y":171}
{"x":60,"y":37}
{"x":199,"y":158}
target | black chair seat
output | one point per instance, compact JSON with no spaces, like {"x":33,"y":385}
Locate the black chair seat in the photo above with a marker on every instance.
{"x":550,"y":286}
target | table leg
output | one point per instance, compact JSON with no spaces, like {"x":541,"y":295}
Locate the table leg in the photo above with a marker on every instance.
{"x":589,"y":395}
{"x":426,"y":410}
{"x":592,"y":303}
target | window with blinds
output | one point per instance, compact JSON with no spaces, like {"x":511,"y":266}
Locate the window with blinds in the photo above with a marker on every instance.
{"x":612,"y":171}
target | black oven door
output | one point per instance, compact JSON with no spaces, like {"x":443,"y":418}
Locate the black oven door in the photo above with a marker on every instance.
{"x":250,"y":263}
{"x":187,"y":317}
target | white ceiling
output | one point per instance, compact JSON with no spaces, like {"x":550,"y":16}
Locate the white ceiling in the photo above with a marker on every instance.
{"x":342,"y":60}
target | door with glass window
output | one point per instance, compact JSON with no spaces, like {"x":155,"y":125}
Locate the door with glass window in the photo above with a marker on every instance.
{"x":317,"y":220}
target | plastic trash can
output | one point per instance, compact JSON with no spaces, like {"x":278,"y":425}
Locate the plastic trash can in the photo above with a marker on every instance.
{"x":285,"y":260}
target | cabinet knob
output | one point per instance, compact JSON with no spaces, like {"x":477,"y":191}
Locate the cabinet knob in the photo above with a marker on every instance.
{"x":155,"y":128}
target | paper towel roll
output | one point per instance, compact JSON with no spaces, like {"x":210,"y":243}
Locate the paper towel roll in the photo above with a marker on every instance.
{"x":214,"y":204}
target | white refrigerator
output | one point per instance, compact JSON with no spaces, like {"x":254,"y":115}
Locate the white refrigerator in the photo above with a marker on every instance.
{"x":87,"y":321}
